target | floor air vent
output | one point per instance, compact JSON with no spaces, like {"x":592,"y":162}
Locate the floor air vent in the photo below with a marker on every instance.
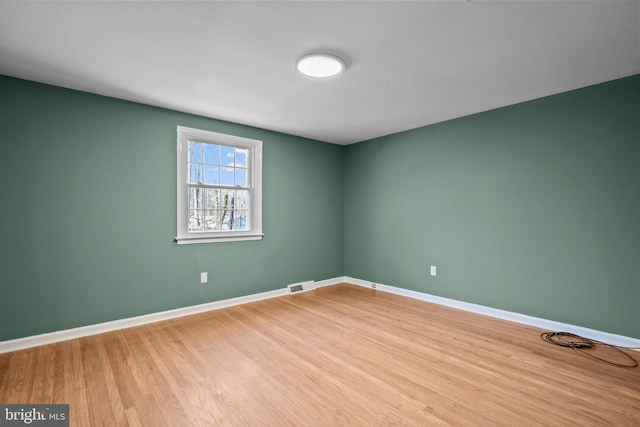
{"x":296,"y":288}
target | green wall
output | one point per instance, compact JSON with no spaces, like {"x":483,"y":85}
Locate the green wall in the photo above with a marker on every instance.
{"x":88,"y":213}
{"x":532,"y":208}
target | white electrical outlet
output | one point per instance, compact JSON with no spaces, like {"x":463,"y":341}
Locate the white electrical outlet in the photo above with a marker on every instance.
{"x":203,"y":277}
{"x":433,"y":270}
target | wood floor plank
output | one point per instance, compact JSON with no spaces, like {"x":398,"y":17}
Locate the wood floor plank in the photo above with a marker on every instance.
{"x":341,"y":355}
{"x":76,"y":385}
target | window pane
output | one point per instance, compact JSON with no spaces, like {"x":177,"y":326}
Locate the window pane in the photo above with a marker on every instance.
{"x":211,"y":175}
{"x":195,"y":152}
{"x":226,"y":155}
{"x":241,"y":177}
{"x":230,"y":221}
{"x":211,"y":220}
{"x":212,"y":154}
{"x":234,"y":220}
{"x":195,"y":173}
{"x":217,"y":199}
{"x":241,"y":157}
{"x":216,"y":219}
{"x":211,"y":198}
{"x":241,"y":222}
{"x":226,"y":176}
{"x":196,"y":222}
{"x":227,"y":199}
{"x":225,"y":220}
{"x":195,"y":198}
{"x":242,"y":199}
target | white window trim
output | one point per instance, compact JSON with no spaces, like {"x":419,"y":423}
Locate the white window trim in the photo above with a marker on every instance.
{"x":183,"y":236}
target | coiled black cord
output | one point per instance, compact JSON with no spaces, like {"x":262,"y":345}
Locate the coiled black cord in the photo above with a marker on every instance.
{"x":581,"y":345}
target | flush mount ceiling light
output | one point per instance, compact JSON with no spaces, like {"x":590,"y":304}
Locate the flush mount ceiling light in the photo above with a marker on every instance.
{"x":320,"y":65}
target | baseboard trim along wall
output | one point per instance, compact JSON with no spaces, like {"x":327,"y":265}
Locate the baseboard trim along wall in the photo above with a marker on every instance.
{"x":549,"y":325}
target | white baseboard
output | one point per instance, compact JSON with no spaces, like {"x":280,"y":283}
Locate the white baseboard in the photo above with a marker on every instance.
{"x":330,"y":282}
{"x":68,"y":334}
{"x":549,"y":325}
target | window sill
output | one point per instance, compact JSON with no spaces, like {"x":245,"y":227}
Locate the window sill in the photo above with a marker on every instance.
{"x":189,"y":240}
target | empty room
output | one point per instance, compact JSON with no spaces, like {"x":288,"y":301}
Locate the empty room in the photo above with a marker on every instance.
{"x":320,"y":213}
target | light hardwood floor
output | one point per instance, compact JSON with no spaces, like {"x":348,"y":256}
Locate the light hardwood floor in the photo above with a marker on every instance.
{"x":341,"y":355}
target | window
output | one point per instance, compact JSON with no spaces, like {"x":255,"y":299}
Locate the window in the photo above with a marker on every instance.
{"x":219,"y":187}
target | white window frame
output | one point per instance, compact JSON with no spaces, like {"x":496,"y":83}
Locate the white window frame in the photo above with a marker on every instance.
{"x":254,"y":183}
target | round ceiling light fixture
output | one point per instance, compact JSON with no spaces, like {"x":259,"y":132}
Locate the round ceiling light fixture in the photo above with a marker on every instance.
{"x":320,"y":65}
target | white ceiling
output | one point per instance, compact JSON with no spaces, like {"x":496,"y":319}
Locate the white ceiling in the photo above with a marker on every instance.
{"x":409,"y":64}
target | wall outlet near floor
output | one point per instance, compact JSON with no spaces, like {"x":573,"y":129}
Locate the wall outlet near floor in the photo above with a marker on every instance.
{"x":433,"y":270}
{"x":203,"y":277}
{"x":374,"y":286}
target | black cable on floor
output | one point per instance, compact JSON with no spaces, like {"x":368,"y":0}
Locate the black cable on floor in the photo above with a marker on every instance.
{"x":582,"y":346}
